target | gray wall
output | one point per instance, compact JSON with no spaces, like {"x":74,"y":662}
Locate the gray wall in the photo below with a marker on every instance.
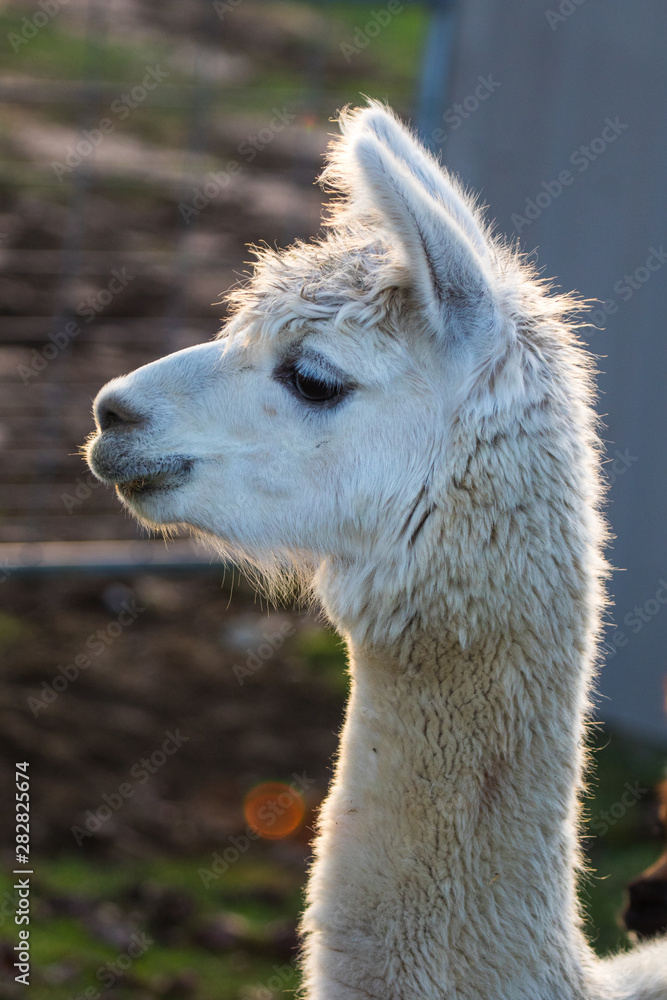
{"x":552,"y":88}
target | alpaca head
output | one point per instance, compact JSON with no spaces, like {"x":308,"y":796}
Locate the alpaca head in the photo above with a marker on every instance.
{"x":333,"y":424}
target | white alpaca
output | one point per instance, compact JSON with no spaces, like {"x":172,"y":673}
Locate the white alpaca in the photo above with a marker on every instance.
{"x":400,"y":412}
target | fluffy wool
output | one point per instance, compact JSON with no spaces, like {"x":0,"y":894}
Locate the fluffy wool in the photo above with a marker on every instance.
{"x":442,"y":504}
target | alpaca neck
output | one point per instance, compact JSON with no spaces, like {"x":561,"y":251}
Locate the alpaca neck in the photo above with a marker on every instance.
{"x":445,"y":861}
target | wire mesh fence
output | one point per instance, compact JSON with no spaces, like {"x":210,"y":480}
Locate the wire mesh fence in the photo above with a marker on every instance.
{"x":144,"y":145}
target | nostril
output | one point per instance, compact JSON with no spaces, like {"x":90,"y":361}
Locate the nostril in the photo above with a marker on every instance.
{"x":111,"y":413}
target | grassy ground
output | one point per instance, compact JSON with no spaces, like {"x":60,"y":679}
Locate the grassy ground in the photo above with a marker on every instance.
{"x":621,"y":829}
{"x":171,"y":926}
{"x":302,"y":48}
{"x":152,"y":929}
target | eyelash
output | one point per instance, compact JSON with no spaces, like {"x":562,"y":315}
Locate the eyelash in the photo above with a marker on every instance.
{"x":300,"y":379}
{"x":313,"y":388}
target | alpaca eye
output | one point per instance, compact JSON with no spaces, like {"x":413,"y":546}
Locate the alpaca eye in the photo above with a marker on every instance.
{"x":315,"y":390}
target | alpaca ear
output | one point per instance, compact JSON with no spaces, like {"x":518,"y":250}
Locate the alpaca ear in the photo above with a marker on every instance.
{"x":448,"y":274}
{"x":381,"y":123}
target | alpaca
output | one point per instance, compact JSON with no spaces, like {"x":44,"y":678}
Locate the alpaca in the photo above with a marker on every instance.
{"x":398,"y":415}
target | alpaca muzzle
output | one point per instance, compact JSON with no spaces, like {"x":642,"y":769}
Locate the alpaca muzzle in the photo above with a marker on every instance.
{"x":117,"y":464}
{"x":117,"y":453}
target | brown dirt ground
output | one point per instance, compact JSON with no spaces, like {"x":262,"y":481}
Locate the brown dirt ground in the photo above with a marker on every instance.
{"x":175,"y":667}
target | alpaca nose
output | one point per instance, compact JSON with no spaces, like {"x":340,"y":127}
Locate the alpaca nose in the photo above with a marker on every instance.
{"x":113,"y":412}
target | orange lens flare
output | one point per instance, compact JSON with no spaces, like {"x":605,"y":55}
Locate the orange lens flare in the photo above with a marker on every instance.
{"x":274,"y":809}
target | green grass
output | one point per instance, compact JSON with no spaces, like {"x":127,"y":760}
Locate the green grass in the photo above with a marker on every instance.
{"x":386,"y":68}
{"x":397,"y":49}
{"x":55,"y":54}
{"x":260,"y":893}
{"x":603,"y":893}
{"x":618,"y":841}
{"x":58,"y":941}
{"x":323,"y":653}
{"x":313,"y":86}
{"x":12,"y":630}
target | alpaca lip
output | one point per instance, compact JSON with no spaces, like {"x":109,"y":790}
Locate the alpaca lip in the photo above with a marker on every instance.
{"x":148,"y":483}
{"x":136,"y":478}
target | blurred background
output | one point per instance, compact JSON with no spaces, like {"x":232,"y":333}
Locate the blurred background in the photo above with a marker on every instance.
{"x":179,"y":733}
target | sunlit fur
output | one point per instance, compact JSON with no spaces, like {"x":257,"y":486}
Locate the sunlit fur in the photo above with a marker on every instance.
{"x":445,"y":513}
